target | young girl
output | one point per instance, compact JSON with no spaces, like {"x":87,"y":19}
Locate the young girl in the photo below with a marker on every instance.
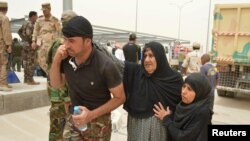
{"x":192,"y":114}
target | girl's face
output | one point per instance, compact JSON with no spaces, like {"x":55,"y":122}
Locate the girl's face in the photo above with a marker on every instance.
{"x":149,"y":61}
{"x":187,"y":94}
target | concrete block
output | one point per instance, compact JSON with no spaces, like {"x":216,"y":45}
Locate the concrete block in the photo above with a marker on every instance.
{"x":1,"y":104}
{"x":25,"y":100}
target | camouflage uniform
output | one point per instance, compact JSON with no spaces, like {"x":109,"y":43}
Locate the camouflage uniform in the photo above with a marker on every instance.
{"x":5,"y":41}
{"x":58,"y":97}
{"x":98,"y":130}
{"x":25,"y":32}
{"x":192,"y":62}
{"x":46,"y":30}
{"x":17,"y":49}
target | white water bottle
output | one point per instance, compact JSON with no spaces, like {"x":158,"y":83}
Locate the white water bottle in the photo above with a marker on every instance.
{"x":77,"y":111}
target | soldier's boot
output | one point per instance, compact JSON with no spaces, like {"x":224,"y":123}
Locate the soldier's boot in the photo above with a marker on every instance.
{"x":31,"y":82}
{"x":25,"y":80}
{"x":5,"y":88}
{"x":3,"y":79}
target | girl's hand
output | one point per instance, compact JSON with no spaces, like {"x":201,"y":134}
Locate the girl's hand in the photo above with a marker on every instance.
{"x":160,"y":111}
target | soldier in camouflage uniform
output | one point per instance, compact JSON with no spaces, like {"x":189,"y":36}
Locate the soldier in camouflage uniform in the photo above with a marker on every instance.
{"x":25,"y":32}
{"x":5,"y":46}
{"x":17,"y":50}
{"x":46,"y":30}
{"x":59,"y":98}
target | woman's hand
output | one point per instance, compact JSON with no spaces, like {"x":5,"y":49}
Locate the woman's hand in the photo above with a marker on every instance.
{"x":160,"y":111}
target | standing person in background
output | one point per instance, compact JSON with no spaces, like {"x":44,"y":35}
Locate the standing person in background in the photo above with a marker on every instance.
{"x":17,"y":50}
{"x":181,"y":57}
{"x":192,"y":62}
{"x":119,"y":52}
{"x":59,"y":98}
{"x":25,"y":33}
{"x":109,"y":47}
{"x":91,"y":77}
{"x":212,"y":74}
{"x":9,"y":64}
{"x":46,"y":30}
{"x":145,"y":85}
{"x":192,"y":115}
{"x":5,"y":46}
{"x":132,"y":52}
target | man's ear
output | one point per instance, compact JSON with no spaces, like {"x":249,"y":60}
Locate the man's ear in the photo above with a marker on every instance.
{"x":88,"y":41}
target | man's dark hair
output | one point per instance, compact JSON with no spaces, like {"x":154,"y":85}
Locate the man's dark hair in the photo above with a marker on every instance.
{"x":3,"y":8}
{"x":205,"y":57}
{"x":132,"y":37}
{"x":15,"y":39}
{"x":108,"y":44}
{"x":32,"y":13}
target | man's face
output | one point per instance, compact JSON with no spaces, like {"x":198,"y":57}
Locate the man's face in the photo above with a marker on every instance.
{"x":33,"y":18}
{"x":76,"y":46}
{"x":46,"y":12}
{"x":203,"y":61}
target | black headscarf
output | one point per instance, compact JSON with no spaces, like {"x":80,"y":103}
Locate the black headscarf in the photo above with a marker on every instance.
{"x":144,"y":90}
{"x":184,"y":113}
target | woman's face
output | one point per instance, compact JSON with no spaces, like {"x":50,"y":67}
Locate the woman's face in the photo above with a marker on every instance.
{"x":187,"y":94}
{"x":149,"y":61}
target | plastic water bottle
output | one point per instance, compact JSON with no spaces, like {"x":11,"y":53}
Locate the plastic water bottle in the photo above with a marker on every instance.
{"x":77,"y":111}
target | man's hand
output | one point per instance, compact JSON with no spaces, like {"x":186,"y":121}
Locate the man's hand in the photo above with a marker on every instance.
{"x":9,"y":49}
{"x":34,"y":45}
{"x":83,"y":118}
{"x":66,"y":106}
{"x":61,"y":53}
{"x":184,"y":71}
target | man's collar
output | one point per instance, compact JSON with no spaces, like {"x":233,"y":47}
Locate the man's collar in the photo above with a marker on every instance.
{"x":74,"y":65}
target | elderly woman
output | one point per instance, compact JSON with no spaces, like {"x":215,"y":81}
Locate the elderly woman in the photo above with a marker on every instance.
{"x":192,"y":114}
{"x":144,"y":86}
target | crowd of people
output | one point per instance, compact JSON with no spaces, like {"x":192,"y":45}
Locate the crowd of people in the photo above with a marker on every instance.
{"x":161,"y":105}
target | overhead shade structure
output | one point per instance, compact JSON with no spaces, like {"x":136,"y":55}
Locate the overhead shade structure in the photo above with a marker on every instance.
{"x":67,"y":5}
{"x":105,"y":34}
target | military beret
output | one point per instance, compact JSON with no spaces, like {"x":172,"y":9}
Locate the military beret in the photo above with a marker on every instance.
{"x":3,"y":4}
{"x":46,"y":6}
{"x":196,"y":45}
{"x":67,"y":15}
